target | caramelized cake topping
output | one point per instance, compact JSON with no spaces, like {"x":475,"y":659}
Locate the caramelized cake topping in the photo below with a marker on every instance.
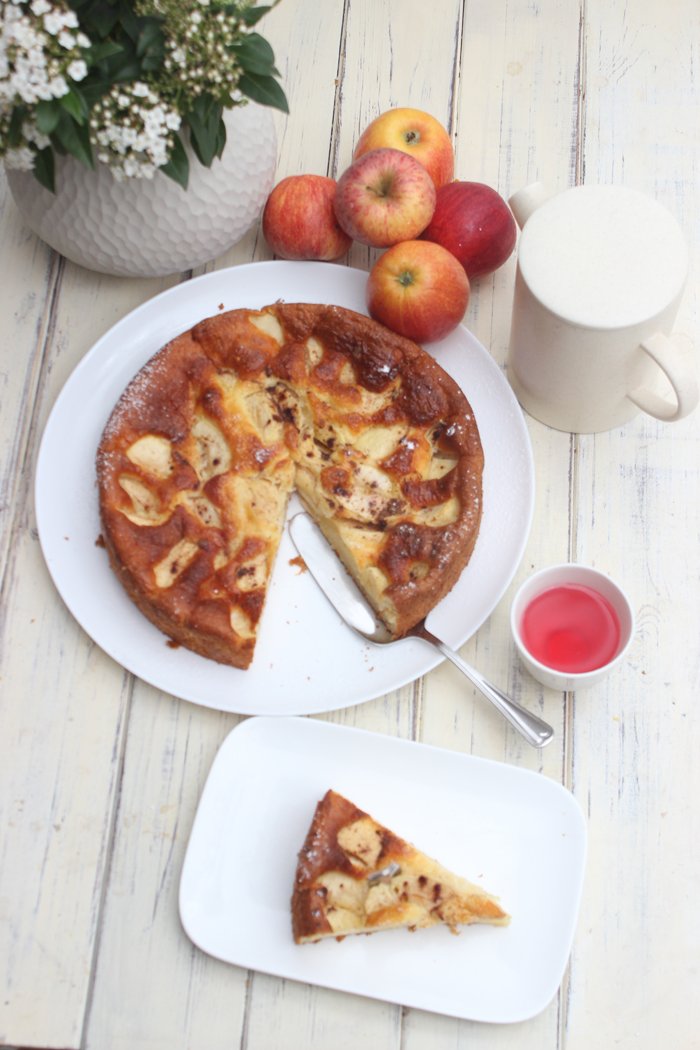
{"x":203,"y":449}
{"x":356,"y":876}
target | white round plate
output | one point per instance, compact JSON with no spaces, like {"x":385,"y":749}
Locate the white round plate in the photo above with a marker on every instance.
{"x":306,"y":661}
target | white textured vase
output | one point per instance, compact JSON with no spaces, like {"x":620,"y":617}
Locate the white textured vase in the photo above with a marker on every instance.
{"x":152,"y":227}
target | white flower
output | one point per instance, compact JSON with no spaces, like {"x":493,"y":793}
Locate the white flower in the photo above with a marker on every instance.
{"x":43,"y":93}
{"x":77,"y":70}
{"x":21,"y":159}
{"x":53,"y":22}
{"x":58,"y":86}
{"x":23,"y":34}
{"x":130,"y":167}
{"x":131,"y":127}
{"x":31,"y":134}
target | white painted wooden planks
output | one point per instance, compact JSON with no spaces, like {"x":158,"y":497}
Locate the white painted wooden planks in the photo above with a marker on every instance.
{"x":637,"y":515}
{"x":63,"y":708}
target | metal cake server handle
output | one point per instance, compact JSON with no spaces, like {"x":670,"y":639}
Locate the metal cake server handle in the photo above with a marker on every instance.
{"x":345,"y":597}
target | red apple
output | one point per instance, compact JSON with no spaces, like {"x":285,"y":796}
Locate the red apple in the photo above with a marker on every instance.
{"x":416,"y":133}
{"x":473,"y":222}
{"x":419,"y":290}
{"x":299,"y":222}
{"x":384,"y":197}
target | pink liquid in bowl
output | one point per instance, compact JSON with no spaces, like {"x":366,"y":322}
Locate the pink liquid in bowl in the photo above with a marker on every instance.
{"x":571,"y":628}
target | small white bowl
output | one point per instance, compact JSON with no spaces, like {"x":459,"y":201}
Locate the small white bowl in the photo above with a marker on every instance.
{"x":558,"y":576}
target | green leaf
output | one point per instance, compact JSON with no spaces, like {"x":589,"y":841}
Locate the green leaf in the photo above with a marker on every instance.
{"x":14,"y":132}
{"x":178,"y":166}
{"x":100,"y":16}
{"x":97,"y":53}
{"x":151,"y":63}
{"x":221,"y":138}
{"x":206,"y":107}
{"x":264,"y":90}
{"x":204,"y":120}
{"x":73,"y":138}
{"x":203,"y":142}
{"x":47,"y":116}
{"x":75,"y":104}
{"x":116,"y":63}
{"x":255,"y":54}
{"x":93,"y":90}
{"x":125,"y":74}
{"x":150,"y":43}
{"x":44,"y":169}
{"x":253,"y":14}
{"x":129,"y":20}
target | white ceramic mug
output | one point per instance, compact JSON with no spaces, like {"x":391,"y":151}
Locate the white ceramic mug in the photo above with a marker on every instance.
{"x":600,"y":274}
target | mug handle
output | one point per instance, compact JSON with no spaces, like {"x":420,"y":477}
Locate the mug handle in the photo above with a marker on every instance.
{"x":666,"y":355}
{"x":528,"y":199}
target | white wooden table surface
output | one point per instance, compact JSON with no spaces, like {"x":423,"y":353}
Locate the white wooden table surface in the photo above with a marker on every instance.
{"x":100,"y":774}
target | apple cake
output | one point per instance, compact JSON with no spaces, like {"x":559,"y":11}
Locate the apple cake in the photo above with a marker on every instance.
{"x":198,"y":459}
{"x":356,"y":876}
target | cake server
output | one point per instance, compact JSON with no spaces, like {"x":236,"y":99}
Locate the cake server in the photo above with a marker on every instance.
{"x":345,"y":597}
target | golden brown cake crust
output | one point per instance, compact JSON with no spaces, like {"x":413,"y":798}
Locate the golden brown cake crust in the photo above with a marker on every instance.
{"x":356,"y":876}
{"x":205,"y":445}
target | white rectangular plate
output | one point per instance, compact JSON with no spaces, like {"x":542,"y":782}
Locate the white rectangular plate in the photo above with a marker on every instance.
{"x":518,"y":834}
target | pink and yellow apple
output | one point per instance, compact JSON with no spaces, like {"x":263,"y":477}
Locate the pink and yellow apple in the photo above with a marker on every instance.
{"x":475,"y":224}
{"x":416,"y":133}
{"x":384,"y":197}
{"x":299,"y":221}
{"x":419,"y":290}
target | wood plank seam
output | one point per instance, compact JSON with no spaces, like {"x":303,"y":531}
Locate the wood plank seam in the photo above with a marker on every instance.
{"x":333,"y":147}
{"x":453,"y":105}
{"x":121,"y":737}
{"x":27,"y":436}
{"x":581,"y":74}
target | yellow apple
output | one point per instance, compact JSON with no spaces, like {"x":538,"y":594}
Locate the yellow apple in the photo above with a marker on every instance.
{"x":416,"y":133}
{"x":419,"y":290}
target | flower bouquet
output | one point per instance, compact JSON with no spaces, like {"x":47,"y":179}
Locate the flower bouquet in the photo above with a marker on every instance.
{"x":127,"y":84}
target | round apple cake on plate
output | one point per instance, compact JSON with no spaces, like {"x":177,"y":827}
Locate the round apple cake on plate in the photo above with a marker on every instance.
{"x":202,"y":451}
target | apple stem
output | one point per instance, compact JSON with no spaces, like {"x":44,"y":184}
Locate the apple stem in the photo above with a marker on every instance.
{"x":405,"y":278}
{"x":383,"y":186}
